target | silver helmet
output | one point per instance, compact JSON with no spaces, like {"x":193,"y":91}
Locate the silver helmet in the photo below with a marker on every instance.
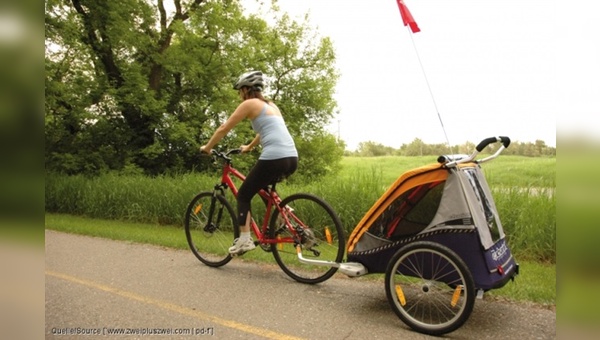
{"x":253,"y":79}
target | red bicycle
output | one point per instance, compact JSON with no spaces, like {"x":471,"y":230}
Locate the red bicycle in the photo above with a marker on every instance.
{"x":302,"y":231}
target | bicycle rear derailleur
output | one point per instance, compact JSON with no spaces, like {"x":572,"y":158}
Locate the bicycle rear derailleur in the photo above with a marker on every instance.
{"x":308,"y":239}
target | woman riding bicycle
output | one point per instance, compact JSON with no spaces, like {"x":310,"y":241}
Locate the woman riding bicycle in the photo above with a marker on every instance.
{"x":278,"y":159}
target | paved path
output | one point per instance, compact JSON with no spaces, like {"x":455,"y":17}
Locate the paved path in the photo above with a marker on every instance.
{"x":101,"y":286}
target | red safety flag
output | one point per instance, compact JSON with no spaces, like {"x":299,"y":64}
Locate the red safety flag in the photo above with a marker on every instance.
{"x":407,"y":18}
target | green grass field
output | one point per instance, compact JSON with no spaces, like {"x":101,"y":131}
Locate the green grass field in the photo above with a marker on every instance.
{"x":504,"y":171}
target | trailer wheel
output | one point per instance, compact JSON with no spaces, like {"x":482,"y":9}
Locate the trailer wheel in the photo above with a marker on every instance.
{"x":430,"y":288}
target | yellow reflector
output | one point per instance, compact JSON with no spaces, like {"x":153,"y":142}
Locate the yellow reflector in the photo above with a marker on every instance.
{"x":328,"y":235}
{"x":456,"y":295}
{"x":198,"y":208}
{"x":400,"y":294}
{"x":279,"y":244}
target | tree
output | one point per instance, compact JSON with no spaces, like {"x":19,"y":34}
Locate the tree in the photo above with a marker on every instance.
{"x":416,"y":148}
{"x":319,"y":155}
{"x":371,"y":149}
{"x":467,"y":148}
{"x":131,"y":84}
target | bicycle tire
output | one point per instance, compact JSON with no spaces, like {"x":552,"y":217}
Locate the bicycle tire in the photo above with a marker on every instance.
{"x":322,"y":234}
{"x":430,"y":288}
{"x":210,"y":235}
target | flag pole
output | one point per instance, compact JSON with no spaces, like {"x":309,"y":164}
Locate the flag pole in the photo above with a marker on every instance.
{"x":412,"y":27}
{"x":429,"y":88}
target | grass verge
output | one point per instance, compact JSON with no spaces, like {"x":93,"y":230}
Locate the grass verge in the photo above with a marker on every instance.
{"x":536,"y":283}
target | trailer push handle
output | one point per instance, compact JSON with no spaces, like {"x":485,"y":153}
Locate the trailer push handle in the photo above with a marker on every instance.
{"x":505,"y":142}
{"x":452,"y":161}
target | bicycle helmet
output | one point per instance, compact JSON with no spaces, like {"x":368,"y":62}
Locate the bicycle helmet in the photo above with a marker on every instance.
{"x":253,"y":79}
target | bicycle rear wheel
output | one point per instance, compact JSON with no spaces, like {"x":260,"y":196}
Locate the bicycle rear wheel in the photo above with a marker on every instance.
{"x":319,"y":232}
{"x":210,"y":228}
{"x":430,"y":288}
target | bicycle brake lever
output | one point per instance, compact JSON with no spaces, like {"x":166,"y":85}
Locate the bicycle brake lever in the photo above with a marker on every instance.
{"x":234,"y":151}
{"x":213,"y":154}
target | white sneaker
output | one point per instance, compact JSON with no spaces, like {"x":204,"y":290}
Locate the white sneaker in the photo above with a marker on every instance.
{"x":241,"y":246}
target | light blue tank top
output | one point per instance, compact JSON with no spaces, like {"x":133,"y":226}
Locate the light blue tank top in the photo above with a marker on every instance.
{"x":275,"y":138}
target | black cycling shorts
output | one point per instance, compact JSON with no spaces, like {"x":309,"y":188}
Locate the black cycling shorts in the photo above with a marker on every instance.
{"x":264,"y":173}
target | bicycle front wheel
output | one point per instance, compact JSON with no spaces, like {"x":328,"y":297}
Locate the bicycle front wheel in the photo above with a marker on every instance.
{"x":316,"y":228}
{"x":430,"y":288}
{"x":210,"y":228}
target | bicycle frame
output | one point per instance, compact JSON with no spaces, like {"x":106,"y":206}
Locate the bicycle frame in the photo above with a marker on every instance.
{"x":272,"y":199}
{"x":290,"y":229}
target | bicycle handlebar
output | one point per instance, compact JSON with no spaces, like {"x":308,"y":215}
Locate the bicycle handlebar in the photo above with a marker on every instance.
{"x":225,"y":155}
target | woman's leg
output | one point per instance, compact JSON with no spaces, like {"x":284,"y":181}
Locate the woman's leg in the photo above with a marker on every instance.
{"x":263,"y":173}
{"x":259,"y":177}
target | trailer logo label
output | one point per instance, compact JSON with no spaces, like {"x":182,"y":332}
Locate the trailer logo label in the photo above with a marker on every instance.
{"x":499,"y":252}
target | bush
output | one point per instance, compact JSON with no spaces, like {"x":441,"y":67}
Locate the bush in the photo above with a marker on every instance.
{"x":160,"y":200}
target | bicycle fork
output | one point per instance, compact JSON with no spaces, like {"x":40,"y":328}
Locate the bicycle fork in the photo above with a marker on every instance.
{"x":213,"y":224}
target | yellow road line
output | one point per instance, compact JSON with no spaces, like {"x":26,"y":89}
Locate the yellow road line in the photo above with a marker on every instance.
{"x":176,"y":308}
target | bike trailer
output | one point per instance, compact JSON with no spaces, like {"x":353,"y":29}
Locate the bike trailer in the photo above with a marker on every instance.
{"x":452,"y":206}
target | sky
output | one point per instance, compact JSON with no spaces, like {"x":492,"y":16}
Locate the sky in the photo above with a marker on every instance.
{"x":476,"y":69}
